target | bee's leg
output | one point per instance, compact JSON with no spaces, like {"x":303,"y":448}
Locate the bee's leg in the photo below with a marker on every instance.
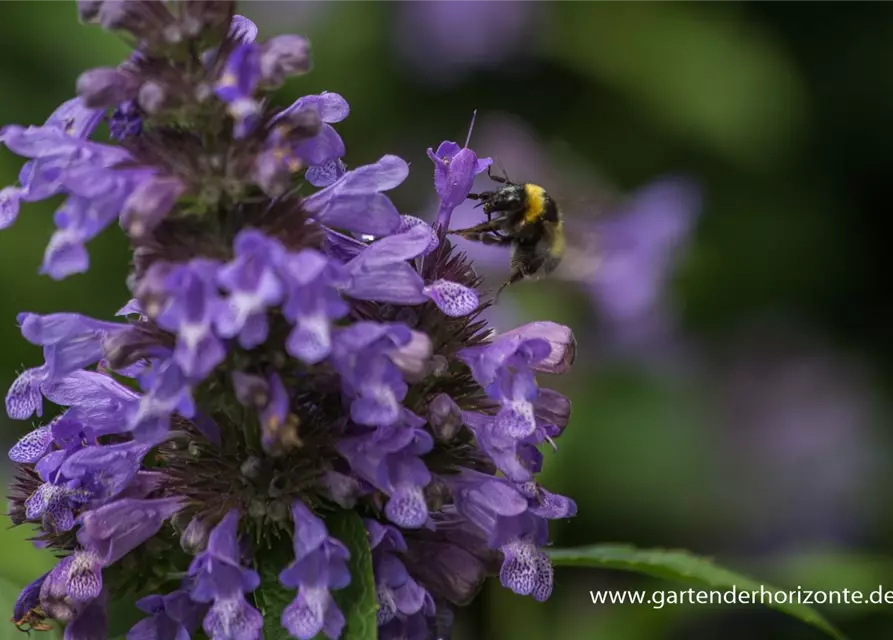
{"x":484,"y":227}
{"x":494,"y":238}
{"x":488,"y":238}
{"x":515,"y":276}
{"x":503,"y":179}
{"x":482,"y":199}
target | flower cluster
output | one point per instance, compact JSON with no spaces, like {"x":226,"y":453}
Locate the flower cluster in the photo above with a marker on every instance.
{"x":287,"y":362}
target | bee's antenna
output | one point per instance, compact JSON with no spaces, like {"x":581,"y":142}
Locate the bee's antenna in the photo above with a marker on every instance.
{"x":505,"y":174}
{"x":471,"y":127}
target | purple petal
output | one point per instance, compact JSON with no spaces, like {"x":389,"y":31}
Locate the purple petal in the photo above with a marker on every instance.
{"x":326,"y":146}
{"x":454,"y":299}
{"x":407,"y":508}
{"x":407,"y":222}
{"x":386,"y":174}
{"x":242,"y":30}
{"x":325,"y":174}
{"x":311,"y":339}
{"x":310,"y":531}
{"x":520,"y":568}
{"x":447,"y":150}
{"x":33,"y":446}
{"x":396,"y":248}
{"x":516,"y":420}
{"x":397,"y":283}
{"x":312,"y":612}
{"x":232,"y":618}
{"x":373,"y":214}
{"x":24,"y":398}
{"x":115,"y":529}
{"x":9,"y":205}
{"x":331,"y":106}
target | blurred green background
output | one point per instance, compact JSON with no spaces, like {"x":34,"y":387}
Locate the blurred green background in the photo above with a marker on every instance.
{"x":751,"y":422}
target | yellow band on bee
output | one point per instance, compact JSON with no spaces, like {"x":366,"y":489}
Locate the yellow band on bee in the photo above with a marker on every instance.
{"x":557,"y":247}
{"x":536,"y":200}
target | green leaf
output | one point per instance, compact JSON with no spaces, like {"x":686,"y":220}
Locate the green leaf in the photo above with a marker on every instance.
{"x":271,"y":597}
{"x":357,"y":602}
{"x":123,"y":614}
{"x":681,"y":566}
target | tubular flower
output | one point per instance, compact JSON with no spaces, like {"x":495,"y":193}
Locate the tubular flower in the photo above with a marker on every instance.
{"x":272,"y":373}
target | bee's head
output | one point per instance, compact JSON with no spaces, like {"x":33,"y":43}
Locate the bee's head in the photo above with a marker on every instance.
{"x":508,"y":198}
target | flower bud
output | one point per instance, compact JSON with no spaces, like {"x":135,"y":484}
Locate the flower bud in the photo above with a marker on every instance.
{"x":251,"y":391}
{"x":151,"y":97}
{"x":445,"y":417}
{"x":149,"y":203}
{"x":284,"y":56}
{"x":412,"y":357}
{"x":195,"y":538}
{"x":88,"y":11}
{"x":105,"y":87}
{"x":272,"y":174}
{"x":144,"y":19}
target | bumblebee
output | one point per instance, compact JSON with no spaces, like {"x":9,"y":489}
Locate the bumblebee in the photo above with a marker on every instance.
{"x":527,"y":219}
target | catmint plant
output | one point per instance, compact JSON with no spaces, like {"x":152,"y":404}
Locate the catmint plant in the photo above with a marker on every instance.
{"x":301,"y":407}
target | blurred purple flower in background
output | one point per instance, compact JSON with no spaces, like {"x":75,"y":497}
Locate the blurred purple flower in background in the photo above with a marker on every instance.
{"x":442,"y":40}
{"x":800,"y":451}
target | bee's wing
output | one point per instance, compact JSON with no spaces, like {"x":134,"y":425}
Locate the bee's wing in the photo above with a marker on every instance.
{"x":588,"y":243}
{"x":643,"y":229}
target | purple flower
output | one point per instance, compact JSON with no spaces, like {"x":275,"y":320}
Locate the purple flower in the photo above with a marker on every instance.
{"x":381,"y":272}
{"x":313,"y":303}
{"x":54,"y":504}
{"x":40,"y":178}
{"x":399,"y":596}
{"x":149,"y":202}
{"x":326,"y":146}
{"x":454,"y":172}
{"x":189,"y":304}
{"x":389,"y":458}
{"x":114,"y":530}
{"x":355,"y":202}
{"x":254,"y":285}
{"x":320,"y":564}
{"x":71,"y":586}
{"x":504,"y":369}
{"x":289,"y":359}
{"x":368,"y":374}
{"x":646,"y":236}
{"x":220,"y":578}
{"x":63,"y":162}
{"x":284,"y":56}
{"x":173,"y":617}
{"x":237,"y":85}
{"x":70,"y":341}
{"x":92,"y":624}
{"x":217,"y":571}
